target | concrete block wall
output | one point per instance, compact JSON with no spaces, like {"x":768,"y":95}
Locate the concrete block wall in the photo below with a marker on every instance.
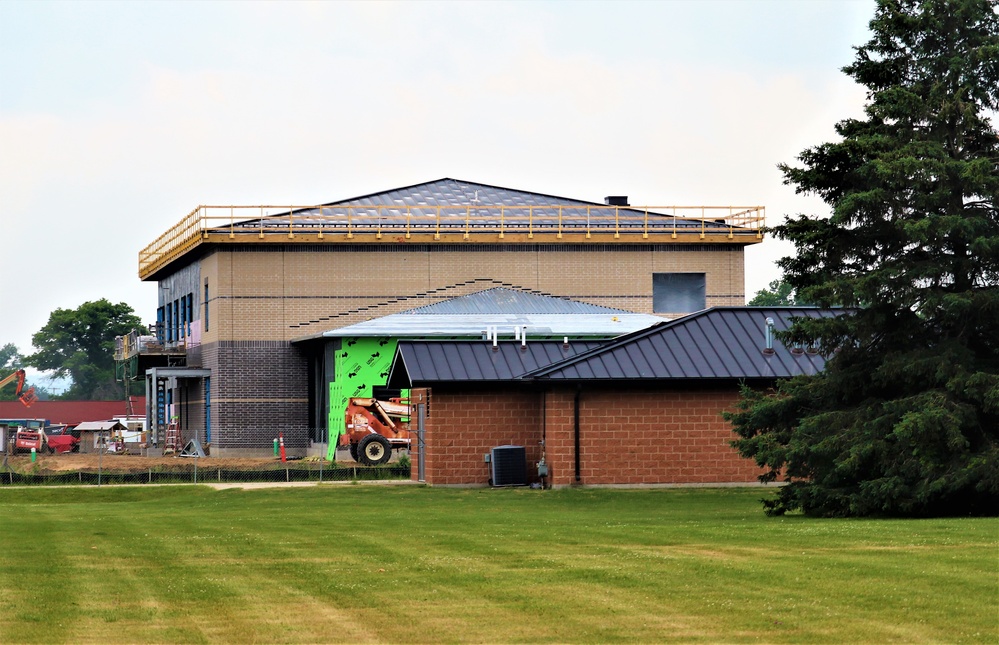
{"x":462,"y":428}
{"x":650,"y":436}
{"x":629,"y":437}
{"x":259,"y":388}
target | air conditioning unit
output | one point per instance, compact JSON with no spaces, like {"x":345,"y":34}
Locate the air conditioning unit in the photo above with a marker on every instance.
{"x":509,"y":466}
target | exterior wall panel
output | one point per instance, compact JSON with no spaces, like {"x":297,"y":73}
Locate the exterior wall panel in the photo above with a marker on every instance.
{"x":263,"y":297}
{"x":626,"y":437}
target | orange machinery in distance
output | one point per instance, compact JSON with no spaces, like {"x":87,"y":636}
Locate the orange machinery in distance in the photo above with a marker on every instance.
{"x":375,"y":428}
{"x":27,"y":397}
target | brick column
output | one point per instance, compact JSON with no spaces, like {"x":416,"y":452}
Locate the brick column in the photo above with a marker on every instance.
{"x":559,"y":437}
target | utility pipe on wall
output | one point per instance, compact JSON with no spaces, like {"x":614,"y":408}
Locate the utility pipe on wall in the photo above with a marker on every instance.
{"x":575,"y":416}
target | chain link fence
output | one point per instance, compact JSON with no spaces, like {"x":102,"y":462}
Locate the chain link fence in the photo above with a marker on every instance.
{"x":192,"y":473}
{"x":104,"y":467}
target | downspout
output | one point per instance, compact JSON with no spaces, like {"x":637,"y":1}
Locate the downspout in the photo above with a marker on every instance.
{"x":575,"y":418}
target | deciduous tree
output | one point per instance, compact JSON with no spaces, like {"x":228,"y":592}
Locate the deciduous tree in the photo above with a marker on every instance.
{"x":79,"y":343}
{"x":777,"y":294}
{"x":905,"y":418}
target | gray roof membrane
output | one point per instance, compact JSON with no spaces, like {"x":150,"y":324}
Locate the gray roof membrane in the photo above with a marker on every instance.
{"x":416,"y":207}
{"x":500,"y":300}
{"x":504,"y":310}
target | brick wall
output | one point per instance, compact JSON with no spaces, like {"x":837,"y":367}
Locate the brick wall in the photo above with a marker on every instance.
{"x":258,"y":390}
{"x":651,"y":436}
{"x":268,"y":293}
{"x":461,"y":428}
{"x":263,"y":297}
{"x":627,"y":436}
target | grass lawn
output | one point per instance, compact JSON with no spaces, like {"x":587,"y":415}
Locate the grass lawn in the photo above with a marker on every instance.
{"x":187,"y":564}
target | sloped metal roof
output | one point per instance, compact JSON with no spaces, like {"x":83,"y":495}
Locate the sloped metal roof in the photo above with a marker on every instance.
{"x":537,"y":325}
{"x":456,"y":192}
{"x":500,"y":300}
{"x":425,"y":363}
{"x":401,"y":207}
{"x":722,"y":343}
{"x":69,"y":412}
{"x":717,"y":343}
{"x":503,"y":309}
{"x":100,"y":425}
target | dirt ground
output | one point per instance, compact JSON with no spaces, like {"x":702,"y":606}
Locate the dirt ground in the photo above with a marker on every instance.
{"x":134,"y":463}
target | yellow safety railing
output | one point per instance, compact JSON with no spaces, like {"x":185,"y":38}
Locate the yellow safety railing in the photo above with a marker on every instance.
{"x":368,"y":223}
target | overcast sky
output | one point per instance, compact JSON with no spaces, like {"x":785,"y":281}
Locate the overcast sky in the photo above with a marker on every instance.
{"x":116,"y":119}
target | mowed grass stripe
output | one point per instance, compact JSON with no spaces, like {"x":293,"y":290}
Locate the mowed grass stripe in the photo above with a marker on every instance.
{"x":409,"y":564}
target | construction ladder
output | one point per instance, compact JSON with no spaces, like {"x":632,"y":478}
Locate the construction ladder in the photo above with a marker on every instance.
{"x":172,"y":443}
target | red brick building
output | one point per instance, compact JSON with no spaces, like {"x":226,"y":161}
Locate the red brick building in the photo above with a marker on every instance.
{"x":642,"y":409}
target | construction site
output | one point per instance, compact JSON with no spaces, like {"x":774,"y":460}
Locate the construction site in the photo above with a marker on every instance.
{"x":489,"y":335}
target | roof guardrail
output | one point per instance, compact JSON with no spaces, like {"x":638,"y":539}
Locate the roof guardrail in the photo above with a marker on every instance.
{"x":450,"y":223}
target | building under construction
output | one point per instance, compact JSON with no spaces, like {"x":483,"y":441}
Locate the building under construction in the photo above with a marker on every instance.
{"x":243,"y":289}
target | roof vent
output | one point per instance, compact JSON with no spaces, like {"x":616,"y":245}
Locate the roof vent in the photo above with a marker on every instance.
{"x":768,"y":333}
{"x":616,"y":200}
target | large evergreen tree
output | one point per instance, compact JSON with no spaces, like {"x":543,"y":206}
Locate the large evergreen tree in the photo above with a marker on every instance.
{"x":905,"y":418}
{"x":80,"y":343}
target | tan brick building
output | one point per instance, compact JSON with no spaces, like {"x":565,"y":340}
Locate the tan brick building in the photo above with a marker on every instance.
{"x":238,"y":284}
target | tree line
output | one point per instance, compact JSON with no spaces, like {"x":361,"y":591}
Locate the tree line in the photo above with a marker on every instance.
{"x":77,"y":344}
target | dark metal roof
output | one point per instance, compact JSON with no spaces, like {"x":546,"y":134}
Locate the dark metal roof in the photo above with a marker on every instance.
{"x":422,"y":363}
{"x":408,"y":206}
{"x":511,"y":301}
{"x":717,"y":343}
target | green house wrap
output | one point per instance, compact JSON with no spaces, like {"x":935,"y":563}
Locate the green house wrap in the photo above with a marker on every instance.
{"x":361,"y":364}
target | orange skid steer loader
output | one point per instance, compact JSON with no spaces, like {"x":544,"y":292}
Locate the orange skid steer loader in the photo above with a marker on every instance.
{"x":375,"y":428}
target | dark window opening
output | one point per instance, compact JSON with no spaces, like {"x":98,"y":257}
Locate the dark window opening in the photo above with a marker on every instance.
{"x":678,"y":293}
{"x":169,"y":322}
{"x":160,"y":318}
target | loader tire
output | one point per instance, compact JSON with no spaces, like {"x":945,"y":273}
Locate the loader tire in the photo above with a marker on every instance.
{"x":374,"y":450}
{"x":353,"y":451}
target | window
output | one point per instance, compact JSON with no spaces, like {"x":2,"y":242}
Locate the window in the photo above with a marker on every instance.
{"x":190,"y":312}
{"x":678,"y":293}
{"x":204,"y":309}
{"x":182,"y":318}
{"x":176,"y":320}
{"x":169,"y":322}
{"x":160,"y":318}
